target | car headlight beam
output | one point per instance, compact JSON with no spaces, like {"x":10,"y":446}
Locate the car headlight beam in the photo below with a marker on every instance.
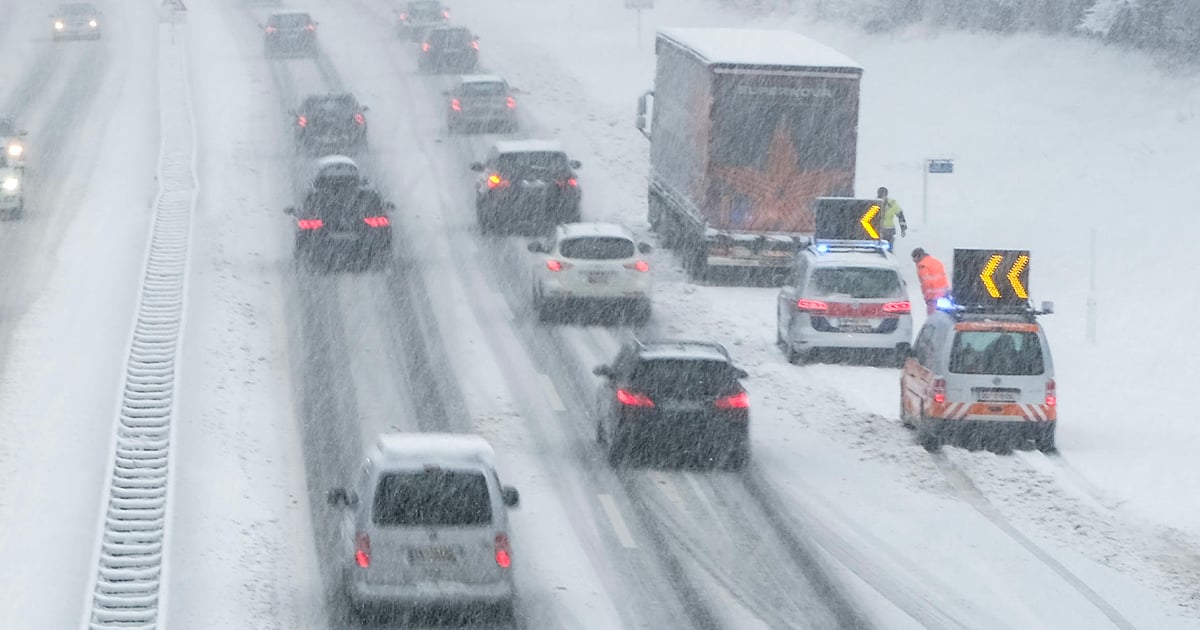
{"x":10,"y":184}
{"x":93,"y":23}
{"x":15,"y":150}
{"x":59,"y":25}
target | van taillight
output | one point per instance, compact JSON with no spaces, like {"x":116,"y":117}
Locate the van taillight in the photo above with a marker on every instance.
{"x":897,"y":307}
{"x":1051,"y":393}
{"x":362,"y":550}
{"x":939,"y":390}
{"x":503,"y":555}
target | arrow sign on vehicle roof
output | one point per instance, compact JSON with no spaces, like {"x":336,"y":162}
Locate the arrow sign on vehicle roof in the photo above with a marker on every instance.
{"x":866,"y":219}
{"x":1014,"y":276}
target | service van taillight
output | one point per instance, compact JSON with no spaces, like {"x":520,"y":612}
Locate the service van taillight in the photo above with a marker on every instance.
{"x":1051,"y":393}
{"x":939,"y":390}
{"x":362,"y":550}
{"x":503,"y":552}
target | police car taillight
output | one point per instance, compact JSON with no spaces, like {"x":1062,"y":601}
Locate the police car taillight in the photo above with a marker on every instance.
{"x":811,"y":305}
{"x":939,"y":390}
{"x":1051,"y":393}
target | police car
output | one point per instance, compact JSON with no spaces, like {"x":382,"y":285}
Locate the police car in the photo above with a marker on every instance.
{"x":980,"y":371}
{"x":844,"y":291}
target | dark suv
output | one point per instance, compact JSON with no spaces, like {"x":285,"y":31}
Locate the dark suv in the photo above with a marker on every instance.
{"x":290,"y":33}
{"x":343,"y":221}
{"x":685,"y":396}
{"x":528,"y":186}
{"x":331,"y":123}
{"x":417,"y":17}
{"x":449,"y":49}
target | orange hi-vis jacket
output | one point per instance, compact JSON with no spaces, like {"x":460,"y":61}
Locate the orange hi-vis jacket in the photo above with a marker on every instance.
{"x":934,"y":283}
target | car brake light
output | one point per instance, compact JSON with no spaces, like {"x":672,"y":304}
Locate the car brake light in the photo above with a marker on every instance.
{"x":362,"y":550}
{"x":475,"y":45}
{"x":456,"y":105}
{"x":495,"y":181}
{"x":511,"y":102}
{"x":446,"y":14}
{"x":740,"y":400}
{"x":425,"y":47}
{"x":311,"y":27}
{"x":811,"y":305}
{"x":377,"y":222}
{"x":640,"y":265}
{"x":1051,"y":393}
{"x":302,"y":121}
{"x":939,"y":390}
{"x":633,"y":399}
{"x":360,"y":119}
{"x":897,"y":307}
{"x":570,"y":181}
{"x":503,"y":552}
{"x":310,"y":224}
{"x":270,"y":29}
{"x":557,"y":265}
{"x":403,"y":16}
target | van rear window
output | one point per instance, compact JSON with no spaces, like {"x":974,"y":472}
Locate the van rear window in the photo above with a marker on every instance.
{"x":432,"y":497}
{"x":1004,"y":353}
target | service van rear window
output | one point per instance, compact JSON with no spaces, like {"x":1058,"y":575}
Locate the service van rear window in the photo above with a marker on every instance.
{"x":432,"y":498}
{"x":862,"y":283}
{"x":1003,"y":353}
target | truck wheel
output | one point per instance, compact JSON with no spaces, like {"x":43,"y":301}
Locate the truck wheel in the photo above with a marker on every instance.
{"x":1045,"y":438}
{"x":653,"y":211}
{"x":697,"y":263}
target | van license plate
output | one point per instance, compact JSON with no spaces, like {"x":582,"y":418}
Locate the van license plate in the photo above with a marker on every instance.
{"x":431,"y":554}
{"x":986,"y":396}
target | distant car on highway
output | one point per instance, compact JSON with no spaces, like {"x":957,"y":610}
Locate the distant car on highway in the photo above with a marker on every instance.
{"x":591,"y":267}
{"x":330,"y":123}
{"x":528,"y":186}
{"x":289,"y":33}
{"x":12,"y":141}
{"x":343,"y":220}
{"x":414,"y":19}
{"x":682,"y":399}
{"x":424,"y":521}
{"x":12,"y":188}
{"x":449,"y":49}
{"x":75,"y":20}
{"x":481,"y":101}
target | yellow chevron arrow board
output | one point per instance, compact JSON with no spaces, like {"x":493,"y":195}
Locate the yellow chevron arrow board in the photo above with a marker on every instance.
{"x":987,"y":278}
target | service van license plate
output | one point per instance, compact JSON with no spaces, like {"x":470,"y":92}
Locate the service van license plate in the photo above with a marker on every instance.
{"x":994,"y":396}
{"x":431,"y":554}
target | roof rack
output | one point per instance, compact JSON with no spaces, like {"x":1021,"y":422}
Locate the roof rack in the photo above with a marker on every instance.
{"x":958,"y":311}
{"x":823,"y":246}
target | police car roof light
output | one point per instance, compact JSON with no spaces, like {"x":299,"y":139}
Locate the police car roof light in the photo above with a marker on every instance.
{"x":944,"y":304}
{"x":841,"y":245}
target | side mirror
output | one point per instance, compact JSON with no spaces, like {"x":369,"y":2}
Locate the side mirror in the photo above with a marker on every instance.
{"x":640,"y":123}
{"x":1048,"y":307}
{"x":477,"y":167}
{"x":289,"y":210}
{"x":603,"y":370}
{"x":644,"y":248}
{"x":389,"y":207}
{"x":537,"y":247}
{"x":22,"y":133}
{"x":475,"y":38}
{"x":338,"y":497}
{"x":576,"y":164}
{"x":445,"y":92}
{"x":366,"y":109}
{"x":510,"y":495}
{"x":740,"y":373}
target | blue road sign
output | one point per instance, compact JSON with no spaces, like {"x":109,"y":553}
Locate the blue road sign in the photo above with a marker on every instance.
{"x":941,"y":166}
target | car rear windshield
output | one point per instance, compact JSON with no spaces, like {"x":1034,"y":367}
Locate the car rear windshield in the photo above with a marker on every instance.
{"x":432,"y":497}
{"x":996,"y":352}
{"x":77,"y":9}
{"x":597,"y":248}
{"x":340,"y":200}
{"x":482,"y":88}
{"x":535,"y":163}
{"x":685,"y":378}
{"x":857,"y":282}
{"x":450,"y":37}
{"x":291,"y":20}
{"x":425,"y":11}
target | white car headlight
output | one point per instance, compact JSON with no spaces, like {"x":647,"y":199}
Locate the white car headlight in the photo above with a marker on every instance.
{"x":59,"y":25}
{"x":93,"y":23}
{"x":10,"y":184}
{"x":15,"y":150}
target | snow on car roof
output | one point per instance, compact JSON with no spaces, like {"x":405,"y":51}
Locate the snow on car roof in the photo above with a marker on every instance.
{"x":855,"y":259}
{"x":529,"y":146}
{"x":757,"y":47}
{"x":335,"y":160}
{"x":684,"y":349}
{"x":595,"y":228}
{"x":481,"y":78}
{"x":434,"y":448}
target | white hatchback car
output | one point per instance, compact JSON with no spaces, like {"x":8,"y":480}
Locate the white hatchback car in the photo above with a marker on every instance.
{"x":596,"y":263}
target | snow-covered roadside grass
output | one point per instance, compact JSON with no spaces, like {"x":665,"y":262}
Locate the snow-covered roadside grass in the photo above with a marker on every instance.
{"x":64,"y":363}
{"x":242,"y":551}
{"x":1016,"y":115}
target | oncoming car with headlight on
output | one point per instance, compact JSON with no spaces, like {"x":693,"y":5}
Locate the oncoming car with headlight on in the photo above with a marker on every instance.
{"x":76,"y":20}
{"x":11,"y":141}
{"x":12,"y":187}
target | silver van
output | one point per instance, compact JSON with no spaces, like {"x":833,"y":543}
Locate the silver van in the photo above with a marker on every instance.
{"x":425,"y":523}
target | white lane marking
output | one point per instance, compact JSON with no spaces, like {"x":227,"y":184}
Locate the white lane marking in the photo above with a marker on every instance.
{"x":618,"y":522}
{"x":556,"y":402}
{"x":501,"y":305}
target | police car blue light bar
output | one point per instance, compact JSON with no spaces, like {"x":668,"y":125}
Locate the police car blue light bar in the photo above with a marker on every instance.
{"x":944,"y":304}
{"x":847,"y":245}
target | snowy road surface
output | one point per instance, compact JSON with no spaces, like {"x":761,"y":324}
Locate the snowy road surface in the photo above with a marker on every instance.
{"x":840,"y":521}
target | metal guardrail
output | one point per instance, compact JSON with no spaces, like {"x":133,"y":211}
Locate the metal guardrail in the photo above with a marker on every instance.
{"x":128,"y":588}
